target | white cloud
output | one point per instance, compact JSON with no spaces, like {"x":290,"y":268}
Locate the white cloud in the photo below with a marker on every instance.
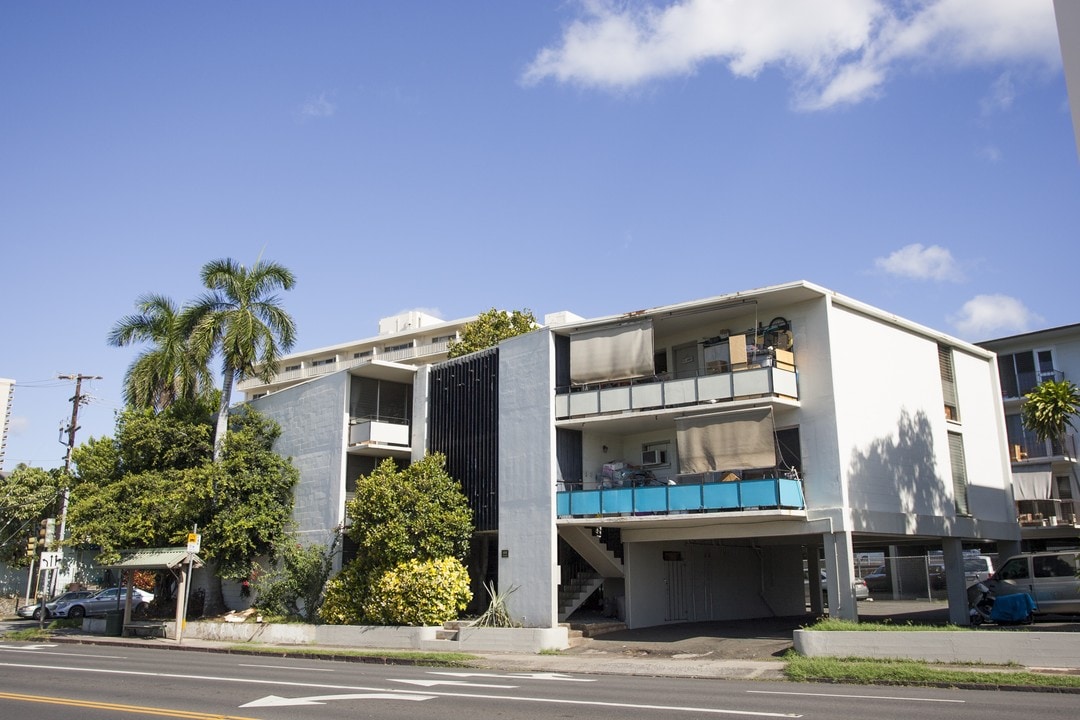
{"x":834,"y":51}
{"x":318,"y":107}
{"x":986,"y":316}
{"x":921,"y":263}
{"x":990,"y":153}
{"x":1001,"y":96}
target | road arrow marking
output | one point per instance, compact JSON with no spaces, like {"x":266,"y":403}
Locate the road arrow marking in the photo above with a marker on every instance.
{"x":276,"y":701}
{"x":432,"y":683}
{"x":25,"y":647}
{"x":517,"y":676}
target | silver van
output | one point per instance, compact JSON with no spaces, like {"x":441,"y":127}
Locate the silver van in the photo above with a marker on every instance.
{"x":1051,"y":578}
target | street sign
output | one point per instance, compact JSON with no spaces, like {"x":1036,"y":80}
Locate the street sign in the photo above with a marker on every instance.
{"x":50,"y":560}
{"x":194,"y":541}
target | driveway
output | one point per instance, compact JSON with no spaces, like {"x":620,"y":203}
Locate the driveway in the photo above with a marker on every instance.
{"x":765,"y":638}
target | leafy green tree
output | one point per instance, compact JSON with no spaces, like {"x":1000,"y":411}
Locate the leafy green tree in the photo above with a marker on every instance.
{"x":416,"y":592}
{"x":157,"y":478}
{"x":1049,"y":409}
{"x":167,"y":371}
{"x":397,"y":515}
{"x":27,"y":495}
{"x":295,"y":588}
{"x":241,"y":319}
{"x":489,"y":329}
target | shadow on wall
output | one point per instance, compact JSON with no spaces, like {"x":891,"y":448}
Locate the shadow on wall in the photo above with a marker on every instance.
{"x":902,"y":466}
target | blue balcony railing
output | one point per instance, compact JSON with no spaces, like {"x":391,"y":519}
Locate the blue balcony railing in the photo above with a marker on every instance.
{"x":762,"y":494}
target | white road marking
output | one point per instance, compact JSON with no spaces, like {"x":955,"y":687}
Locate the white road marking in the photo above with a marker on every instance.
{"x":860,"y":697}
{"x":37,"y":650}
{"x":475,"y":696}
{"x":285,"y":667}
{"x":276,"y":701}
{"x":456,"y":683}
{"x":516,"y":676}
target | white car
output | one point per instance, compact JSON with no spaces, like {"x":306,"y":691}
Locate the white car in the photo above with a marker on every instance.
{"x":111,"y":599}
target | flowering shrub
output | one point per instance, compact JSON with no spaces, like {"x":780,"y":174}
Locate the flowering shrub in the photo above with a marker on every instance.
{"x":415,"y":592}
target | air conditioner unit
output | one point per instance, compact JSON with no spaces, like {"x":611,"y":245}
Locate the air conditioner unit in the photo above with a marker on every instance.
{"x":653,"y":457}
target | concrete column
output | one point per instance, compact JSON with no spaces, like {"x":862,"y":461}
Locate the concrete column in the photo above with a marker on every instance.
{"x":952,"y":551}
{"x":839,"y":561}
{"x":813,"y":575}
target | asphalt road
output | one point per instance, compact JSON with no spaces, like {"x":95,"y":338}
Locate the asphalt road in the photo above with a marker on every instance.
{"x":63,"y":682}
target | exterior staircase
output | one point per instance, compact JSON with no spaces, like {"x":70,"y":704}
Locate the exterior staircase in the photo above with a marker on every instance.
{"x":577,"y":591}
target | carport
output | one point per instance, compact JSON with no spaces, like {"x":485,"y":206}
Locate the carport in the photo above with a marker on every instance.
{"x":176,"y":560}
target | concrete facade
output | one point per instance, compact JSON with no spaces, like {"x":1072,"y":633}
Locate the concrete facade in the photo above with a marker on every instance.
{"x":857,"y":401}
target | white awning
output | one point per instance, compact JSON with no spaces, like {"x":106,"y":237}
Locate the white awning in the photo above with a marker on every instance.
{"x":734,"y":440}
{"x":616,"y":352}
{"x":1032,"y":483}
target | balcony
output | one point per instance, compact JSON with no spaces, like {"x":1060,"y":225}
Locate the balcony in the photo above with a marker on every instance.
{"x":730,"y":496}
{"x":1031,"y":448}
{"x":1047,"y":513}
{"x":290,"y":377}
{"x":659,"y":393}
{"x":368,"y":436}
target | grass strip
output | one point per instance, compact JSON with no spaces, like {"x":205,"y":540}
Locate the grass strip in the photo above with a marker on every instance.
{"x":829,"y":624}
{"x":865,"y":671}
{"x":434,"y":659}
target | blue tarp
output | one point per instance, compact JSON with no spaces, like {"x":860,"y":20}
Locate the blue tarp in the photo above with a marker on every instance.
{"x":1012,"y":608}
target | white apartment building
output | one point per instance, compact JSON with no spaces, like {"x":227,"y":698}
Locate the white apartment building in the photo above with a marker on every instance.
{"x":688,"y":461}
{"x":1046,"y":485}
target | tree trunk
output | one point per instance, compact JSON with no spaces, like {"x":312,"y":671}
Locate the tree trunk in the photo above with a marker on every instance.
{"x":215,"y":598}
{"x":223,"y":413}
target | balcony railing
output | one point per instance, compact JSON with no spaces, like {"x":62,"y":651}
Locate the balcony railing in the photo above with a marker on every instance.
{"x":657,"y":393}
{"x":290,"y":376}
{"x":1032,"y":448}
{"x":378,"y":432}
{"x":1048,"y":513}
{"x":736,"y":495}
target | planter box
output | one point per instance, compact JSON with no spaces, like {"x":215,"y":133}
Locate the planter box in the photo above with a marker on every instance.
{"x":1029,"y":648}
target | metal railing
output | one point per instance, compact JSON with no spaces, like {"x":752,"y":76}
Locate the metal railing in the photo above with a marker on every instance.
{"x":735,"y":495}
{"x":305,"y":373}
{"x":660,"y":392}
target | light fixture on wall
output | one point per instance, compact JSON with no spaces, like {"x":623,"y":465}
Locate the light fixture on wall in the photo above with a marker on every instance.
{"x":603,"y":449}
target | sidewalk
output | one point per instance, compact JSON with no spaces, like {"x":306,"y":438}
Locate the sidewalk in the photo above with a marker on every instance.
{"x":584,"y":662}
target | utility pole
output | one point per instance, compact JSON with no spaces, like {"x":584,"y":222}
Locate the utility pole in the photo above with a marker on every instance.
{"x":77,"y":400}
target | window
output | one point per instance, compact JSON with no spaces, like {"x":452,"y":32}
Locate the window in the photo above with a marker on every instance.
{"x":1022,"y":371}
{"x":948,"y":382}
{"x":291,"y":368}
{"x":364,"y":354}
{"x":1015,"y":569}
{"x":402,"y":346}
{"x":441,"y":339}
{"x":324,"y":361}
{"x":959,"y":473}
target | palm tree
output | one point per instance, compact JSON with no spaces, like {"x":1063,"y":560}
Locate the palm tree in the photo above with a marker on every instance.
{"x":167,"y":371}
{"x":1049,"y":409}
{"x":241,"y":318}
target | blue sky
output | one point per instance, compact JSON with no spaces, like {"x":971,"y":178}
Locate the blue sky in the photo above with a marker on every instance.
{"x":597,"y":157}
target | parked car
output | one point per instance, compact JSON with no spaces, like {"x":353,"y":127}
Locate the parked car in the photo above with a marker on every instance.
{"x":977,"y":568}
{"x":34,"y":611}
{"x":110,"y":599}
{"x":862,"y":592}
{"x":881,"y":580}
{"x":878,"y":580}
{"x":1052,"y":579}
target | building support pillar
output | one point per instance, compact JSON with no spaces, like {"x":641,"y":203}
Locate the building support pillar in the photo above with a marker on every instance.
{"x":839,"y":576}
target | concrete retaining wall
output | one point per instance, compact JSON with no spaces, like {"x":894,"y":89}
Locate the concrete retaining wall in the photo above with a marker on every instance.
{"x":469,"y":639}
{"x":1031,"y":649}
